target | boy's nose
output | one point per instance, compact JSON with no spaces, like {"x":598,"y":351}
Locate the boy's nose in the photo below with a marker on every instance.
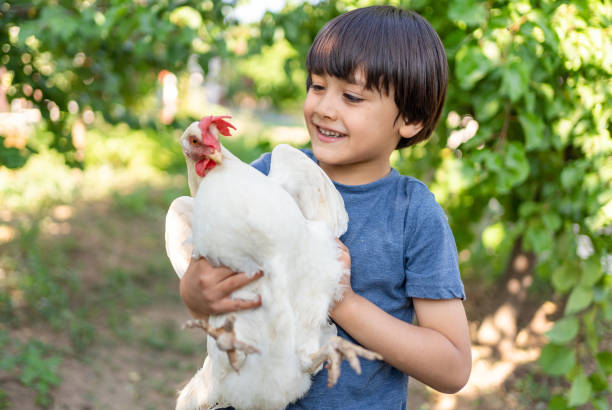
{"x":326,"y":108}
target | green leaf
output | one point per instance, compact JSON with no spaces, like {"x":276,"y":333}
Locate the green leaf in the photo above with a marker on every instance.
{"x":12,"y":157}
{"x":515,"y":80}
{"x":571,"y":176}
{"x":533,"y":127}
{"x":558,"y":403}
{"x":589,"y":320}
{"x":607,"y":310}
{"x":600,"y":295}
{"x":471,"y":65}
{"x":185,"y":16}
{"x":600,"y":403}
{"x":598,"y":382}
{"x":515,"y":169}
{"x":470,"y":12}
{"x":557,"y":360}
{"x":552,"y":221}
{"x":580,"y":391}
{"x":528,"y":208}
{"x":538,"y":238}
{"x":486,"y":106}
{"x":564,"y":277}
{"x":493,"y":236}
{"x":516,"y":160}
{"x":579,"y":299}
{"x":604,"y":359}
{"x":565,"y":330}
{"x":591,"y":272}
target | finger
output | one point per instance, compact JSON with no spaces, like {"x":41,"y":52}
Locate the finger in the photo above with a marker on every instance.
{"x":236,"y":281}
{"x":342,"y":245}
{"x":233,"y":305}
{"x":217,"y":274}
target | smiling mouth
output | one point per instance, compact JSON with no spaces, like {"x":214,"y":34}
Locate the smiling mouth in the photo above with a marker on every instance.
{"x":329,"y":133}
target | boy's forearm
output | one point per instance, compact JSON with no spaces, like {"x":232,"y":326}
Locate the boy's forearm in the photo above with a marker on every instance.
{"x":420,"y":352}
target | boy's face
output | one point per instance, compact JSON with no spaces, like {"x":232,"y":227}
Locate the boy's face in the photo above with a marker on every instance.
{"x":352,"y":129}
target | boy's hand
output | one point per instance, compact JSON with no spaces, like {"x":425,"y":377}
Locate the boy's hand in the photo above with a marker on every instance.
{"x":345,"y":257}
{"x":345,"y":280}
{"x":206,"y":290}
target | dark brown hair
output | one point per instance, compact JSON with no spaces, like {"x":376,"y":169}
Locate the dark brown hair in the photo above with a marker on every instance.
{"x":396,"y":50}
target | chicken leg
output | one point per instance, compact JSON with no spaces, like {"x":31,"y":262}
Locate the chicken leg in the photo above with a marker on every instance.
{"x":334,"y":351}
{"x":225,"y":337}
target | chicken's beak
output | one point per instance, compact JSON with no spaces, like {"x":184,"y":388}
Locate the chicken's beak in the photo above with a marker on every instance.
{"x":216,"y":156}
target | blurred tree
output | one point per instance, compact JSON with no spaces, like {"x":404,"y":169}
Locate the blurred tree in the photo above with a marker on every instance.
{"x":71,"y":57}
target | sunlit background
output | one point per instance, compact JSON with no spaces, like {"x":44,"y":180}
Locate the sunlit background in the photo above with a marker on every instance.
{"x":93,"y":97}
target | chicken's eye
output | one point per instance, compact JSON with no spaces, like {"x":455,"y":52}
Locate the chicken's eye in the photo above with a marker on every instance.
{"x":193,"y":141}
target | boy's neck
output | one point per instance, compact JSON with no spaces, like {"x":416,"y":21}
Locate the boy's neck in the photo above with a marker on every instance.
{"x":356,"y":174}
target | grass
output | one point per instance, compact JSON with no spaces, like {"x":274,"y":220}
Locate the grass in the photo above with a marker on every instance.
{"x":44,"y":280}
{"x":35,"y":364}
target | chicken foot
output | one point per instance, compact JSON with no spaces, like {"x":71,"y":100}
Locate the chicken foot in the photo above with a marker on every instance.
{"x":334,"y":351}
{"x":225,"y":337}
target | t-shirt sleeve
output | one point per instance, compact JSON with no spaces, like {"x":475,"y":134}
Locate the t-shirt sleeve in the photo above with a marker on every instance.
{"x":262,"y":164}
{"x":431,"y":266}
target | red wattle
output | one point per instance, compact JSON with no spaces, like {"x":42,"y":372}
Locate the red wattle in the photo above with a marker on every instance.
{"x":203,"y":166}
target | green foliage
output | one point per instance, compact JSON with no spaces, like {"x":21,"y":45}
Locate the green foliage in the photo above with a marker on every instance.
{"x":134,"y":202}
{"x":580,"y":391}
{"x":564,"y":331}
{"x":539,"y":152}
{"x":167,"y":335}
{"x":12,"y":157}
{"x":557,"y":359}
{"x":37,"y":367}
{"x":105,"y":56}
{"x":4,"y":401}
{"x":553,"y":96}
{"x":38,"y":372}
{"x":82,"y":333}
{"x":45,"y":293}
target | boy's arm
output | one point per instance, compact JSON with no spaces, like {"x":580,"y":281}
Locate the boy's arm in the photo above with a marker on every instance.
{"x":437,"y":352}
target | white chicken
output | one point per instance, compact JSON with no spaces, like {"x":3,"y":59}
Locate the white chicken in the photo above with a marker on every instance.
{"x":285,"y":225}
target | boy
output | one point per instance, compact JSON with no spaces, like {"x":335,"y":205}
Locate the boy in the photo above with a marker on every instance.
{"x":377,"y":81}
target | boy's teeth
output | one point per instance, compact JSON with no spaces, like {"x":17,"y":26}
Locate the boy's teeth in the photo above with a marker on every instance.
{"x":329,"y":133}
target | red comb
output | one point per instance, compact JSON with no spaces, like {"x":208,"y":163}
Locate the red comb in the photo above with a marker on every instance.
{"x":222,"y":125}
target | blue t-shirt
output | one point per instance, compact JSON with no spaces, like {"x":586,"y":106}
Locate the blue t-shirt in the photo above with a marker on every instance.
{"x":401,"y":247}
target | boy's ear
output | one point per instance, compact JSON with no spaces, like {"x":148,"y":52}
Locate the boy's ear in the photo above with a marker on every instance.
{"x":410,"y":129}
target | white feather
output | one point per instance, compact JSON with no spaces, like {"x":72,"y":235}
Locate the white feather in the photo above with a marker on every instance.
{"x":310,"y":186}
{"x":178,"y":233}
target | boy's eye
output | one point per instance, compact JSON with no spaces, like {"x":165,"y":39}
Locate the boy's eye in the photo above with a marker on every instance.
{"x":352,"y":98}
{"x":317,"y":87}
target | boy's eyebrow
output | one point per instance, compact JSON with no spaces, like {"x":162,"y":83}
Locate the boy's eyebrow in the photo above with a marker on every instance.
{"x":357,"y":77}
{"x":354,"y":80}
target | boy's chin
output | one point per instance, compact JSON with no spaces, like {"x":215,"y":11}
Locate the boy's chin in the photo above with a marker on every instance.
{"x":324,"y":153}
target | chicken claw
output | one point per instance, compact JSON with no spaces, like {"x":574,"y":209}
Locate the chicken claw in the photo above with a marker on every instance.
{"x":225,"y":337}
{"x":334,"y":351}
